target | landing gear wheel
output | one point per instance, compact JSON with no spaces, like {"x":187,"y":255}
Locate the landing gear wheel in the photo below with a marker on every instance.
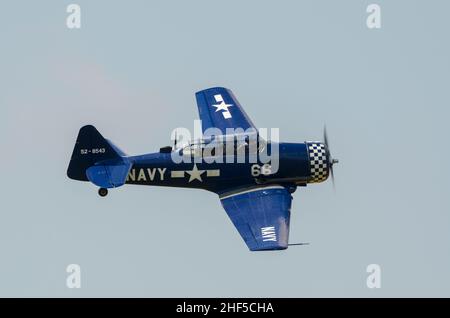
{"x":102,"y":192}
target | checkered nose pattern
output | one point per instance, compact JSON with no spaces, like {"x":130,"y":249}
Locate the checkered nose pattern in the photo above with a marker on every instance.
{"x":318,"y":161}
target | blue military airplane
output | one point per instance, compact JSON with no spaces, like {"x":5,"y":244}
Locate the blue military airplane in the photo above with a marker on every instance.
{"x":258,"y":202}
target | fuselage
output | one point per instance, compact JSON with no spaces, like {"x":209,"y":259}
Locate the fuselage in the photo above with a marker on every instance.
{"x":223,"y":172}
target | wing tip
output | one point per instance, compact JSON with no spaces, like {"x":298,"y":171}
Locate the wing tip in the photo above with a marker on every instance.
{"x":214,"y":88}
{"x":268,"y":248}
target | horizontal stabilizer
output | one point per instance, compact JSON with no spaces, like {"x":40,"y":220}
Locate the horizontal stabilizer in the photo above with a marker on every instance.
{"x":109,"y":176}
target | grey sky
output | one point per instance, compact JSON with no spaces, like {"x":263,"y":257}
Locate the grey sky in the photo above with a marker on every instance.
{"x":132,"y":71}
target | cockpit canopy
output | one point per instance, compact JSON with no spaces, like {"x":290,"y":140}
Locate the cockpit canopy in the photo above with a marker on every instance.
{"x":229,"y":145}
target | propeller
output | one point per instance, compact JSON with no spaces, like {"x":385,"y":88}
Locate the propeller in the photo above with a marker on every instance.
{"x":331,"y":160}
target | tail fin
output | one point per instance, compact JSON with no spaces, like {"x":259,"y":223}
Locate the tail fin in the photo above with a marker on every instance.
{"x":90,"y":149}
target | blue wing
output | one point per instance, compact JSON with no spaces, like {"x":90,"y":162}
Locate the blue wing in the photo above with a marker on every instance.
{"x":219,"y":108}
{"x":261,"y":215}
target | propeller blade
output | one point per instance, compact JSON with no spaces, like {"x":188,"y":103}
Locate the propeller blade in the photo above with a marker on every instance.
{"x":331,"y":161}
{"x":332,"y":177}
{"x":325,"y":136}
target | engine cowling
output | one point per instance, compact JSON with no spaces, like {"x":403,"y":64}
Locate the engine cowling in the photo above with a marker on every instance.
{"x":319,"y":161}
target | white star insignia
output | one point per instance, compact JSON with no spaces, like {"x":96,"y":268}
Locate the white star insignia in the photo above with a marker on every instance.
{"x":222,"y":106}
{"x":195,"y":174}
